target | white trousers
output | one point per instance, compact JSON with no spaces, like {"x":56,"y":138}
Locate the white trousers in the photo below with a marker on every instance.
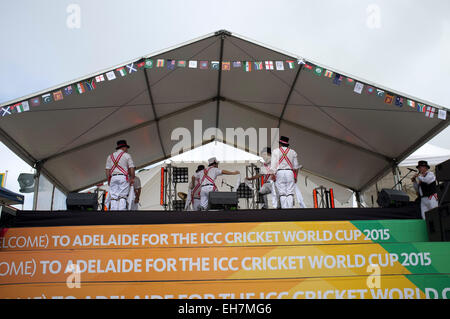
{"x":267,"y":189}
{"x":204,"y":193}
{"x":196,"y":204}
{"x":426,"y":204}
{"x":285,"y":185}
{"x":119,"y":189}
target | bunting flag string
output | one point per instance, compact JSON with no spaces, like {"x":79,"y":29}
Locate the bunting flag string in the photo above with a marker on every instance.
{"x":337,"y":79}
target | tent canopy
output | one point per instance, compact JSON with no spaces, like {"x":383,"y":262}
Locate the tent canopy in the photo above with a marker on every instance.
{"x":348,"y":138}
{"x":434,"y":155}
{"x":8,"y":197}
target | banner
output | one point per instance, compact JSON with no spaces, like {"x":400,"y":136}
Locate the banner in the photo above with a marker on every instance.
{"x":364,"y":287}
{"x":220,"y":263}
{"x":217,"y":235}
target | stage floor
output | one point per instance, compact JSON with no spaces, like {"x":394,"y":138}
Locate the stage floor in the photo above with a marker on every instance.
{"x":78,"y":218}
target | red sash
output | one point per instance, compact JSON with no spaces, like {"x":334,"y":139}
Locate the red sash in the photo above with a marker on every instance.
{"x":196,"y":188}
{"x":286,"y":159}
{"x":116,"y":165}
{"x":205,"y":175}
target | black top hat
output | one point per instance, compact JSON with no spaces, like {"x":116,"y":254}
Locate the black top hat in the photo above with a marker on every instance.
{"x":284,"y":140}
{"x":122,"y":143}
{"x":423,"y":163}
{"x":200,"y":168}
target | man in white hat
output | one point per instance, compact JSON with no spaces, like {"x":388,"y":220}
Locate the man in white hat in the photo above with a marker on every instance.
{"x":284,"y":166}
{"x":425,"y":185}
{"x":207,"y":180}
{"x":120,"y":174}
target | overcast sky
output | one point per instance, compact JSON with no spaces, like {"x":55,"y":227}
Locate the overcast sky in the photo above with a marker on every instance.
{"x":403,"y":45}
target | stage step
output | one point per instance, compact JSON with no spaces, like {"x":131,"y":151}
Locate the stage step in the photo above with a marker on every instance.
{"x":214,"y":234}
{"x":356,"y":287}
{"x":326,"y":259}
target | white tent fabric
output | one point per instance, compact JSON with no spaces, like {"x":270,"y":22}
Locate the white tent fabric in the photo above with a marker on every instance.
{"x":344,"y":137}
{"x":434,"y":155}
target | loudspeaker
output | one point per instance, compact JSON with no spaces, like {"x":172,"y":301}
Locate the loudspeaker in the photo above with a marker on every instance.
{"x":223,"y":200}
{"x":26,"y":183}
{"x":438,"y":223}
{"x":392,"y":198}
{"x":443,"y":191}
{"x":443,"y":171}
{"x":82,"y":201}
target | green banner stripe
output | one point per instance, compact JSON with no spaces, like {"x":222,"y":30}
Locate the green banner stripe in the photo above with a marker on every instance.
{"x":401,"y":231}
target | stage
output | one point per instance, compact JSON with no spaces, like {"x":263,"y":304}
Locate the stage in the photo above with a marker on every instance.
{"x":85,"y":218}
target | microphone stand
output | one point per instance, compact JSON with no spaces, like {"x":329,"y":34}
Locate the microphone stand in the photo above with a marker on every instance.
{"x":231,"y":187}
{"x":400,"y":181}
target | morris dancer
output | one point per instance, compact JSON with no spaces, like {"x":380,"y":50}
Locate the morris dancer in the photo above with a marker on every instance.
{"x":207,"y":178}
{"x":267,"y":179}
{"x":425,"y":185}
{"x":194,"y":190}
{"x":120,"y":174}
{"x":285,"y":167}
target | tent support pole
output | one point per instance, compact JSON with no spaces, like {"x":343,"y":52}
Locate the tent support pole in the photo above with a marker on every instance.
{"x":289,"y":95}
{"x":219,"y":81}
{"x":37,"y":178}
{"x":154,"y":112}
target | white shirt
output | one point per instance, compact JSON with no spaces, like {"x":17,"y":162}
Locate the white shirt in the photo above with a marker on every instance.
{"x":125,"y":162}
{"x":277,"y":155}
{"x":265,"y":169}
{"x":427,"y":179}
{"x":137,"y":183}
{"x":213,"y":172}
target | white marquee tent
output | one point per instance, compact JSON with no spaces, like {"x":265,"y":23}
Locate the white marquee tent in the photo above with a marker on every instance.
{"x":344,"y":137}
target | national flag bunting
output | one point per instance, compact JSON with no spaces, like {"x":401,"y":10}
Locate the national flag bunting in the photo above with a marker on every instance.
{"x":421,"y":107}
{"x":279,"y":65}
{"x":35,"y":101}
{"x":148,"y":64}
{"x":193,"y":64}
{"x":358,"y":87}
{"x":99,"y":78}
{"x":68,"y":90}
{"x":380,"y":93}
{"x":269,"y":65}
{"x":248,"y":66}
{"x":171,"y":64}
{"x":58,"y":95}
{"x":90,"y":85}
{"x":111,"y":75}
{"x":258,"y":65}
{"x":122,"y":71}
{"x":290,"y":64}
{"x":388,"y":99}
{"x":237,"y":64}
{"x":81,"y":89}
{"x":181,"y":64}
{"x":318,"y":71}
{"x":350,"y":81}
{"x":215,"y":65}
{"x":131,"y":68}
{"x":370,"y":89}
{"x":337,"y":79}
{"x":160,"y":63}
{"x":442,"y":114}
{"x":141,"y":64}
{"x":429,"y":112}
{"x":46,"y":98}
{"x":307,"y":67}
{"x":399,"y":101}
{"x":226,"y":66}
{"x":411,"y":103}
{"x":328,"y":74}
{"x":203,"y":65}
{"x":22,"y":107}
{"x":6,"y":110}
